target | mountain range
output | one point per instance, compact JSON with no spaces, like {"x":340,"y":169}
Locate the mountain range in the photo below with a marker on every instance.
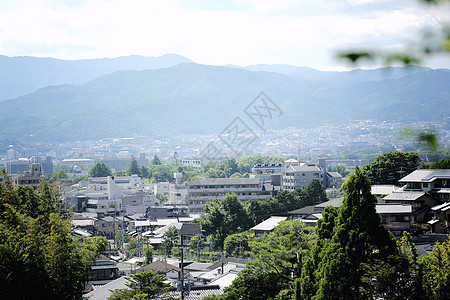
{"x":169,"y":95}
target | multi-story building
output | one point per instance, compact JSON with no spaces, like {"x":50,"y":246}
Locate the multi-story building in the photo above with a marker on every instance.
{"x":267,"y":169}
{"x":30,"y":178}
{"x":202,"y":191}
{"x":434,"y":182}
{"x":192,"y":161}
{"x":294,"y":177}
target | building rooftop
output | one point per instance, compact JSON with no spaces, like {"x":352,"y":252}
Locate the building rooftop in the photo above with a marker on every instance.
{"x":269,"y":224}
{"x":404,"y":196}
{"x":224,"y":181}
{"x":393,"y":209}
{"x":336,"y":202}
{"x":304,"y":168}
{"x":425,"y":175}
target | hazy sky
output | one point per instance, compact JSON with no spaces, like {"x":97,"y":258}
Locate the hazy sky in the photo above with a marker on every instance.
{"x":241,"y":32}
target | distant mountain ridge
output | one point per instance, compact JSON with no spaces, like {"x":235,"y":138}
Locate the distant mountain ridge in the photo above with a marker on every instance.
{"x":25,"y":74}
{"x":193,"y":98}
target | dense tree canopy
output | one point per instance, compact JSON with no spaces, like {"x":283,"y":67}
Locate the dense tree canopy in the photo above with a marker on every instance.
{"x":100,"y":170}
{"x":39,"y":255}
{"x":441,"y":164}
{"x":133,"y":168}
{"x":223,"y":217}
{"x":142,"y":285}
{"x":390,"y":167}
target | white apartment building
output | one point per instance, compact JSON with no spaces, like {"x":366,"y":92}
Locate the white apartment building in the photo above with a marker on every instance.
{"x":202,"y":191}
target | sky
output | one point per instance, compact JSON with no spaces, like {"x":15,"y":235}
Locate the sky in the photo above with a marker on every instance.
{"x":240,"y":32}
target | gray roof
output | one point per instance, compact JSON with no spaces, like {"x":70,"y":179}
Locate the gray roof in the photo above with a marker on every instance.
{"x":159,"y":266}
{"x":198,"y":266}
{"x":393,"y":209}
{"x":224,"y":181}
{"x":103,"y":292}
{"x":304,"y":168}
{"x":302,"y":211}
{"x":404,"y":196}
{"x":425,"y":175}
{"x":336,"y":202}
{"x":196,"y":293}
{"x":190,"y":229}
{"x":236,"y":260}
{"x":269,"y":224}
{"x":334,"y":174}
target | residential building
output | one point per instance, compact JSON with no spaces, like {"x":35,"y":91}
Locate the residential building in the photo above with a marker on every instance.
{"x":268,"y":225}
{"x":32,"y":177}
{"x":299,"y":176}
{"x":440,"y":222}
{"x":178,"y":191}
{"x":434,"y":182}
{"x":202,"y":191}
{"x":267,"y":169}
{"x":192,"y":161}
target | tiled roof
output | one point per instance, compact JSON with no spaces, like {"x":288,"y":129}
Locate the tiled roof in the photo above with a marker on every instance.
{"x":404,"y":196}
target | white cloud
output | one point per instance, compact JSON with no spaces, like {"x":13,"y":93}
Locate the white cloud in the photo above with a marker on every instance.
{"x":253,"y":34}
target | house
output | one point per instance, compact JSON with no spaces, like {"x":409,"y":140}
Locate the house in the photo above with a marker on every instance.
{"x":268,"y":225}
{"x":441,"y":218}
{"x":417,"y":199}
{"x":301,"y":212}
{"x":396,"y":217}
{"x":436,"y":183}
{"x":311,"y":219}
{"x":333,"y":180}
{"x":172,"y":272}
{"x":103,"y":270}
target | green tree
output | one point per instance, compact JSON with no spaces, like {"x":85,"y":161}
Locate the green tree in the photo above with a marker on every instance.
{"x":156,"y":160}
{"x":133,"y":168}
{"x":148,"y":253}
{"x":441,"y":164}
{"x":436,"y":272}
{"x":197,"y":244}
{"x":358,"y":238}
{"x":390,"y":167}
{"x":313,"y":194}
{"x":237,"y":244}
{"x":142,"y":285}
{"x":253,"y":284}
{"x":283,"y":251}
{"x":223,"y":217}
{"x":143,"y":172}
{"x":170,"y":239}
{"x":39,"y":255}
{"x":100,"y":170}
{"x":162,"y":198}
{"x":342,"y":170}
{"x":311,"y":272}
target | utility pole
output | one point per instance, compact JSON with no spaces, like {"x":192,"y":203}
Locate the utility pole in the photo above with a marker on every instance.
{"x":182,"y":269}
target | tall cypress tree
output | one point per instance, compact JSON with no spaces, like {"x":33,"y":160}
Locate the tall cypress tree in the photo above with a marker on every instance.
{"x":133,"y":168}
{"x":357,"y":236}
